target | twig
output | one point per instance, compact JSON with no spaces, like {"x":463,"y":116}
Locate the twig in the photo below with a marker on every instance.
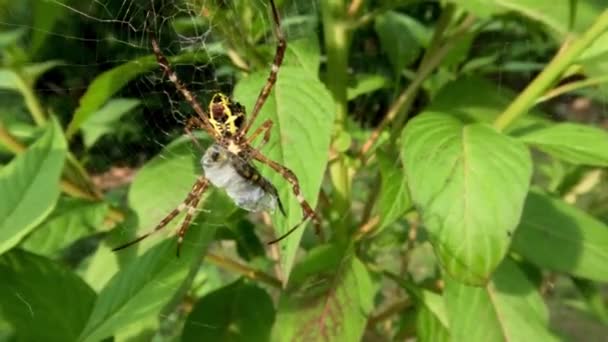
{"x":246,"y":271}
{"x":571,"y":49}
{"x":406,"y":99}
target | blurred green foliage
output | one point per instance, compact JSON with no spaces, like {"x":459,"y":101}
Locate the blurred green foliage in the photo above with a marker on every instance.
{"x":456,"y":152}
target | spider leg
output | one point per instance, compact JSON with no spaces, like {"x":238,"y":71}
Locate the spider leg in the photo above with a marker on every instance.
{"x":189,"y":215}
{"x":194,"y":122}
{"x":265,"y":127}
{"x":308,"y":212}
{"x":190,"y":98}
{"x":272,"y":78}
{"x":194,"y":194}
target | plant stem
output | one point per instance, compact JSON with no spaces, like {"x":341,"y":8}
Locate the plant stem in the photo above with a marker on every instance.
{"x":572,"y":86}
{"x":246,"y":271}
{"x":9,"y":141}
{"x":31,"y":101}
{"x":431,"y":61}
{"x":337,"y":41}
{"x":571,"y":49}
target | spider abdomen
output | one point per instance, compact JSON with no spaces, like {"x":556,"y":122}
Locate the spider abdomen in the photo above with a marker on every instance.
{"x":241,"y":181}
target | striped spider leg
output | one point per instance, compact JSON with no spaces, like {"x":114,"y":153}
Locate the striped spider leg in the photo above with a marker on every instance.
{"x":189,"y":204}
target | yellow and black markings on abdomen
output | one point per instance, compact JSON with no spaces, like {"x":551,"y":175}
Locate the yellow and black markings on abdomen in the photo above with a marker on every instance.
{"x":226,"y":117}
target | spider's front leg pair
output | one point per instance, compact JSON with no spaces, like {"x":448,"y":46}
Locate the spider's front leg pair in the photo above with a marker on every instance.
{"x":189,"y":204}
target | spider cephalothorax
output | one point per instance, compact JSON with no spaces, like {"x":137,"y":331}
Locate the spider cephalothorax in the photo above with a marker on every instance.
{"x":228,"y":162}
{"x":226,"y":117}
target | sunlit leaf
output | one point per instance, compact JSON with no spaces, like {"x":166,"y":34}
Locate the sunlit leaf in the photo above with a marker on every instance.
{"x":304,"y":53}
{"x":29,"y":185}
{"x":236,"y":312}
{"x":398,"y":39}
{"x":393,"y":199}
{"x":509,"y":308}
{"x":558,"y":236}
{"x":303,"y":114}
{"x":367,"y":84}
{"x":572,"y":142}
{"x":469,"y":183}
{"x":143,"y":287}
{"x":328,"y":299}
{"x":106,"y":119}
{"x":71,"y":220}
{"x":43,"y":300}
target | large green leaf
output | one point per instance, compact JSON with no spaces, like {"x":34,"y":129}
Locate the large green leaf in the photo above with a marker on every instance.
{"x":71,"y":220}
{"x":143,"y":287}
{"x":575,"y":143}
{"x":236,"y":312}
{"x":401,"y":38}
{"x":394,"y":199}
{"x":43,"y":300}
{"x":558,"y":236}
{"x":29,"y":185}
{"x":303,"y":113}
{"x":509,"y":308}
{"x":328,"y":299}
{"x":469,"y":183}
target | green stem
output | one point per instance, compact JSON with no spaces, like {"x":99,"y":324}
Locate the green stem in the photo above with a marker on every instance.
{"x":31,"y":101}
{"x":398,"y":111}
{"x":572,"y":86}
{"x":571,"y":49}
{"x":337,"y":41}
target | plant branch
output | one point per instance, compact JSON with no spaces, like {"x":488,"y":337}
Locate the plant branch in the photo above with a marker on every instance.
{"x":571,"y":49}
{"x":31,"y":101}
{"x":572,"y":86}
{"x":244,"y":270}
{"x":337,"y":41}
{"x":406,"y":99}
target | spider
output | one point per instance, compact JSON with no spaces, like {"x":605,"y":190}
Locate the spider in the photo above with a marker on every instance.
{"x":227,"y":163}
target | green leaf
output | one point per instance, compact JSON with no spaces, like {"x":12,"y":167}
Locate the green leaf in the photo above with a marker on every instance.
{"x":45,"y":15}
{"x":71,"y":220}
{"x":108,"y":83}
{"x":105,"y":119}
{"x":560,"y":237}
{"x":236,"y":312}
{"x":429,"y":327}
{"x":574,"y":143}
{"x":469,"y":183}
{"x":394,"y":199}
{"x":328,"y":299}
{"x":304,"y":53}
{"x":303,"y":114}
{"x":11,"y":37}
{"x":146,"y":285}
{"x":556,"y":18}
{"x":43,"y":300}
{"x":398,"y":39}
{"x":367,"y":84}
{"x":9,"y":79}
{"x":29,"y":185}
{"x":509,"y":308}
